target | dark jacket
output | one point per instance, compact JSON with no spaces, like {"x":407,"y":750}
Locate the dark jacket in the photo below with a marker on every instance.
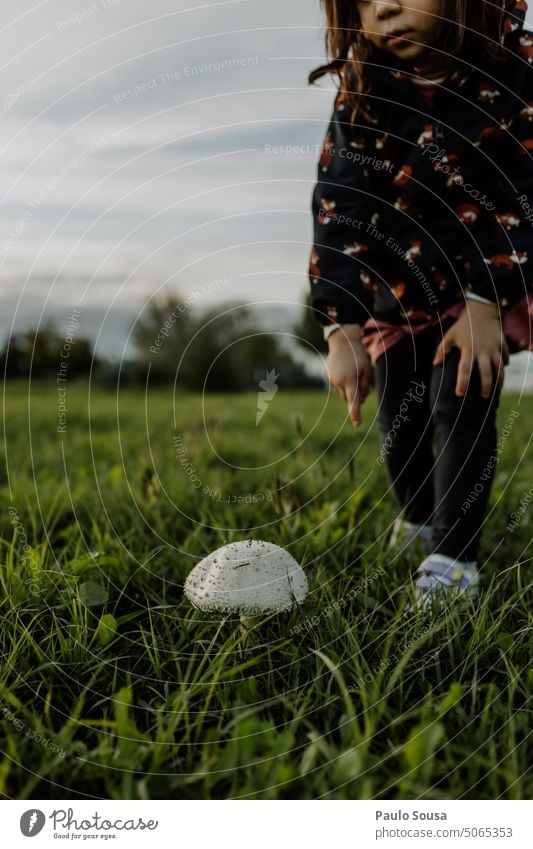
{"x":397,"y":235}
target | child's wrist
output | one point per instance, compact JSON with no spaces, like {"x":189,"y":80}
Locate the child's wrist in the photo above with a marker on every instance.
{"x":345,"y":333}
{"x":482,"y":308}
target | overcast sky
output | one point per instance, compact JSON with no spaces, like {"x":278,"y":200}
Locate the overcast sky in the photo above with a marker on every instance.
{"x":133,"y":151}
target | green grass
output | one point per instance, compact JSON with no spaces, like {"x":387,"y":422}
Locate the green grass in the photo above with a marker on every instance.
{"x":144,"y":697}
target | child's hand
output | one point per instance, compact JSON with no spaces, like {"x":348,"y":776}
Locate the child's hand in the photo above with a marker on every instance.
{"x":478,"y":335}
{"x":348,"y":368}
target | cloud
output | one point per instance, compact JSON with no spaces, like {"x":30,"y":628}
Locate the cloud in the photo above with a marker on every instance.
{"x":174,"y":103}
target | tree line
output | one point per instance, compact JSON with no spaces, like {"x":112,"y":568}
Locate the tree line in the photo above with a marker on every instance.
{"x":221,"y":349}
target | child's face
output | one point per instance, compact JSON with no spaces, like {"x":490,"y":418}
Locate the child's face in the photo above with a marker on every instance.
{"x":417,"y":20}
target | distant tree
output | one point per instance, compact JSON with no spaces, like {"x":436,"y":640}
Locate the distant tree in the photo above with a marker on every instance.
{"x":308,"y":330}
{"x":43,"y":351}
{"x":81,"y":358}
{"x":14,"y":358}
{"x":113,"y":373}
{"x":221,"y":350}
{"x":226,"y":348}
{"x":161,"y":336}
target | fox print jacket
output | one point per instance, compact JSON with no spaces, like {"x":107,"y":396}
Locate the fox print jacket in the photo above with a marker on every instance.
{"x":423,"y":204}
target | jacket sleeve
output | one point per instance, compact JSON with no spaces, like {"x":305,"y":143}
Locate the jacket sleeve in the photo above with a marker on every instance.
{"x":501,"y":256}
{"x":343,"y":206}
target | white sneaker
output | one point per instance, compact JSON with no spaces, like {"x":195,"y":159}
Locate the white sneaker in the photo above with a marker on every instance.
{"x":442,"y":578}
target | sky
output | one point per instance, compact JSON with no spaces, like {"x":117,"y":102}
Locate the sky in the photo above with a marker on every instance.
{"x":135,"y":152}
{"x":144,"y":149}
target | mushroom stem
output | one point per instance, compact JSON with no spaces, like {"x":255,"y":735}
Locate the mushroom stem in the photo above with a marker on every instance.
{"x":250,"y":640}
{"x":248,"y":622}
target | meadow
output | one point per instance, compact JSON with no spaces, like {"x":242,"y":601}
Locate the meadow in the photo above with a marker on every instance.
{"x":113,"y":686}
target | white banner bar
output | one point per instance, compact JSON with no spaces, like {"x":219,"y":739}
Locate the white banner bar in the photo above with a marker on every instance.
{"x":268,"y":825}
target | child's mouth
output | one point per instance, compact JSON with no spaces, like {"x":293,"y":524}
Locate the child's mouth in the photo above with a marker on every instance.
{"x":399,"y":37}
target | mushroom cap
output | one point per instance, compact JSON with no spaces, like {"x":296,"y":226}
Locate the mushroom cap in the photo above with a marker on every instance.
{"x":248,"y":576}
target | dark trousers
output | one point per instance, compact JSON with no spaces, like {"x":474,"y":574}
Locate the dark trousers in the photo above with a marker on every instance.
{"x":439,"y":450}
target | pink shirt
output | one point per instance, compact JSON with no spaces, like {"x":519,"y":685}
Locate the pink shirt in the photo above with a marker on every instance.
{"x":517,"y":327}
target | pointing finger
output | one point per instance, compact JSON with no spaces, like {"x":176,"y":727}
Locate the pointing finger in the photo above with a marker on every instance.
{"x":499,"y":366}
{"x":354,"y":405}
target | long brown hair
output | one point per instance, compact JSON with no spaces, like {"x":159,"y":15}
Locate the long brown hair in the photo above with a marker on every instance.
{"x":470,"y":28}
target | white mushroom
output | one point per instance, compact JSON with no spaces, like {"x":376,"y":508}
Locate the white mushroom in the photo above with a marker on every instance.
{"x":250,"y":577}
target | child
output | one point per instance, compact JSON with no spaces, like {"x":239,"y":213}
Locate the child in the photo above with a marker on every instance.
{"x":423,"y":245}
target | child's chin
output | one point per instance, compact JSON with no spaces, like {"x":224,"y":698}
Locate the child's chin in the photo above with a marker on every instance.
{"x":409,"y":52}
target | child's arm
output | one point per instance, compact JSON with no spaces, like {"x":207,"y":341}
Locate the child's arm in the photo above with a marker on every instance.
{"x":340,"y":269}
{"x":501,"y":254}
{"x":348,"y":368}
{"x":343,"y":205}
